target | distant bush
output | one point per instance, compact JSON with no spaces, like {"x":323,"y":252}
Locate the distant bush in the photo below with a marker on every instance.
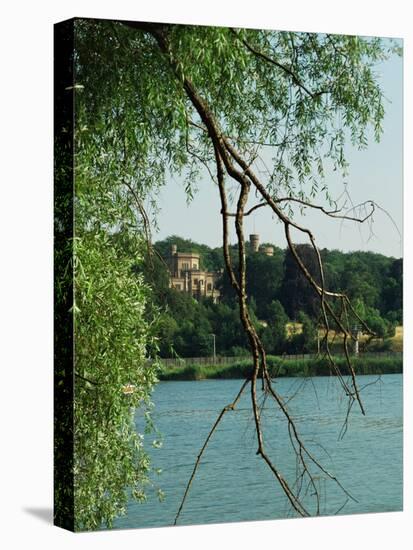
{"x":381,"y":345}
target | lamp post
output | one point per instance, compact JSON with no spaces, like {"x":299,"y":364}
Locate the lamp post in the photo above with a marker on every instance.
{"x":213,"y":340}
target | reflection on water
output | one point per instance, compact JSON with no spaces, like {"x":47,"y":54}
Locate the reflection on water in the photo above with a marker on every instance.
{"x":233,"y":484}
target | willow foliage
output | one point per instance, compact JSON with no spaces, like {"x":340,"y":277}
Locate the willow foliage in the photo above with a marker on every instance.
{"x":301,"y":95}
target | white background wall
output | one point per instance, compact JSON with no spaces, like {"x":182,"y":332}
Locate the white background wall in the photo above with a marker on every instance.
{"x":26,"y":272}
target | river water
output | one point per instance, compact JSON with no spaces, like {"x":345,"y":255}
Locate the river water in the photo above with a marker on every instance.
{"x":234,"y":484}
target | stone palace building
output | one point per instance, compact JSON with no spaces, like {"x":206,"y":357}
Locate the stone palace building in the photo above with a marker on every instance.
{"x":186,"y":275}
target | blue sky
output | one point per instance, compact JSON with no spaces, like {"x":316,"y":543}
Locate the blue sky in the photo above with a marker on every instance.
{"x":374,"y":174}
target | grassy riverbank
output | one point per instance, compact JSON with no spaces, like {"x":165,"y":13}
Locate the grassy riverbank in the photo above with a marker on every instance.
{"x":282,"y":368}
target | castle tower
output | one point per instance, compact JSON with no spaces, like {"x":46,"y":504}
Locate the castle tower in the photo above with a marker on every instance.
{"x":255,"y":242}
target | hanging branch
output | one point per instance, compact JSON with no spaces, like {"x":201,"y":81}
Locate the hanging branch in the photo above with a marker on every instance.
{"x":287,"y":70}
{"x":258,"y":351}
{"x":230,"y":162}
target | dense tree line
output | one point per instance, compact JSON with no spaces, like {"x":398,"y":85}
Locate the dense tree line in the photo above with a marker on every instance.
{"x":278,"y":294}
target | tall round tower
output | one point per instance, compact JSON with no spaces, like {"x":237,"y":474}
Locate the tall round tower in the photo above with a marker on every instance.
{"x":255,"y":242}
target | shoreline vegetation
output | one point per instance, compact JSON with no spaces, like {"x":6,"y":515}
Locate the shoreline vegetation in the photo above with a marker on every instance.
{"x":279,"y":367}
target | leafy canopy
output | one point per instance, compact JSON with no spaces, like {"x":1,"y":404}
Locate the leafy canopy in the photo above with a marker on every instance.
{"x":300,"y":94}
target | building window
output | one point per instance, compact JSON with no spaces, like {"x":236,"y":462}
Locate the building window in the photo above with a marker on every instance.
{"x":209,"y":287}
{"x":195,"y":282}
{"x":178,"y":287}
{"x":185,"y":265}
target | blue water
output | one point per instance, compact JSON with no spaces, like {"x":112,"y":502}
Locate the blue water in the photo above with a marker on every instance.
{"x":234,"y":484}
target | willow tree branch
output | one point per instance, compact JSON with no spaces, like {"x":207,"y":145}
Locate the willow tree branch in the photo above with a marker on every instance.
{"x":256,"y":346}
{"x":333,"y":213}
{"x":86,"y":379}
{"x":239,"y":170}
{"x":247,"y":171}
{"x":297,"y":81}
{"x":142,"y":211}
{"x":250,"y":211}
